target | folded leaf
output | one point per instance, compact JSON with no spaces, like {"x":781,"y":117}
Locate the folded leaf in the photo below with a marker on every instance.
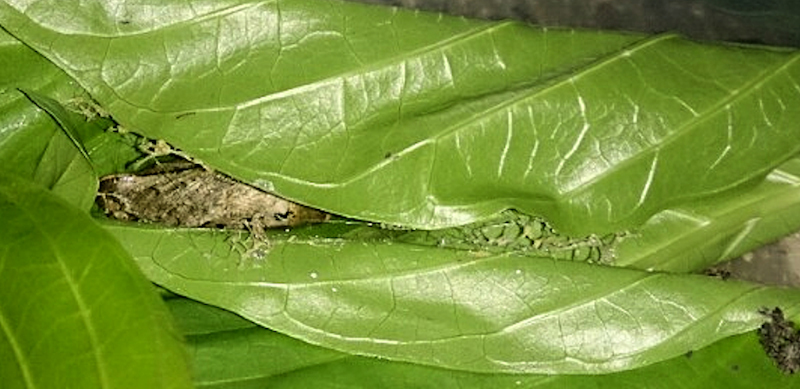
{"x":697,"y":235}
{"x":686,"y":239}
{"x":430,"y":121}
{"x":74,"y":310}
{"x":462,"y":310}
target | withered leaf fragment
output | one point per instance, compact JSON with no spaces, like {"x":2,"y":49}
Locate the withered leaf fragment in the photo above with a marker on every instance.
{"x":190,"y":196}
{"x":780,"y":340}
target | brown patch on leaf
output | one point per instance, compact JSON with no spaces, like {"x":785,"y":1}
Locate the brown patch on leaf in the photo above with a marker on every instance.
{"x":718,"y":272}
{"x":195,"y":197}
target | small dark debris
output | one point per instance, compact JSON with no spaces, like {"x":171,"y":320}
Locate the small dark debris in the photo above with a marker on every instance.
{"x":124,"y":21}
{"x":689,"y":354}
{"x":283,"y":216}
{"x":735,"y":367}
{"x":387,"y":155}
{"x":780,"y":340}
{"x":722,"y":274}
{"x":185,"y":114}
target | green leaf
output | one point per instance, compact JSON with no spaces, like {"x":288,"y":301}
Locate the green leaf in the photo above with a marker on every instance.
{"x":686,"y":239}
{"x":430,"y":121}
{"x":78,"y":181}
{"x":438,"y":127}
{"x":32,"y":146}
{"x":74,"y":310}
{"x":113,"y":152}
{"x":64,"y":119}
{"x":700,"y":234}
{"x":230,"y":352}
{"x":470,"y":311}
{"x":103,"y":150}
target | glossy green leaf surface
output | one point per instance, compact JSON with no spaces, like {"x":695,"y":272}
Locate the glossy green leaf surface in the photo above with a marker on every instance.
{"x":461,"y":310}
{"x":32,"y":146}
{"x":101,"y":149}
{"x":683,"y":240}
{"x":74,"y":309}
{"x":697,"y":235}
{"x":79,"y":175}
{"x":430,"y":121}
{"x":230,"y":352}
{"x":65,"y":119}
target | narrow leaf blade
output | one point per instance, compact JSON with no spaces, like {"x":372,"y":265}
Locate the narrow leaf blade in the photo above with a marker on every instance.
{"x":470,"y":311}
{"x":261,"y":357}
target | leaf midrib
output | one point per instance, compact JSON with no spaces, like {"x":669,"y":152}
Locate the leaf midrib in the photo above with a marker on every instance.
{"x":22,"y":361}
{"x":84,"y":311}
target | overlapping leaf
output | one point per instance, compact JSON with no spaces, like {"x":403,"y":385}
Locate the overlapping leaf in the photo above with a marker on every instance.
{"x":462,"y":310}
{"x":686,"y":239}
{"x":32,"y":145}
{"x":230,"y":352}
{"x":430,"y":121}
{"x":74,"y":310}
{"x":698,"y":235}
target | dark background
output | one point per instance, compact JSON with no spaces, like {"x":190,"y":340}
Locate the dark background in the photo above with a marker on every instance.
{"x":775,"y":23}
